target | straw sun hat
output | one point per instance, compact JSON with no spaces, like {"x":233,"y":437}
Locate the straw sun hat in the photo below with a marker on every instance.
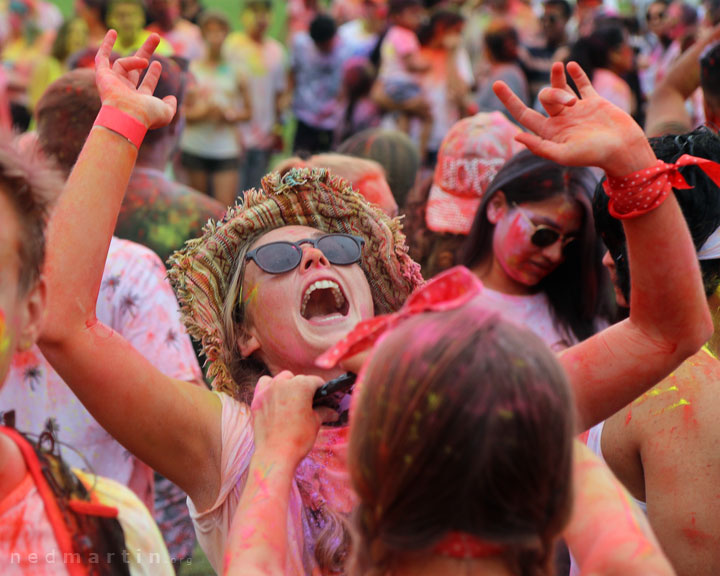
{"x":201,"y":272}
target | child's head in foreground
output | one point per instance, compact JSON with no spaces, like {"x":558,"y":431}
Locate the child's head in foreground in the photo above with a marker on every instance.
{"x":468,"y":430}
{"x":27,"y":188}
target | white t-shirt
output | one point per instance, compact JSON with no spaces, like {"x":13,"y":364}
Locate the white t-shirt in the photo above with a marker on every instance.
{"x":265,"y":67}
{"x":220,"y":85}
{"x":357,"y":40}
{"x":531,"y":312}
{"x":435,"y":87}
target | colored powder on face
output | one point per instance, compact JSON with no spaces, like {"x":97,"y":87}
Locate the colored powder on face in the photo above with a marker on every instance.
{"x":251,"y":297}
{"x":4,"y":336}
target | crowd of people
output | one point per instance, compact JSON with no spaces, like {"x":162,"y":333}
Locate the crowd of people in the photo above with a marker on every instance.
{"x":412,"y":287}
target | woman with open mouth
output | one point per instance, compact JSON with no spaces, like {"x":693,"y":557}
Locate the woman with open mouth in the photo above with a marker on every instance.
{"x":280,"y":280}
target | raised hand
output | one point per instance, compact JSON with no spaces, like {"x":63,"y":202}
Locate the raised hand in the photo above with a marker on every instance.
{"x":118,"y":84}
{"x":585,"y":131}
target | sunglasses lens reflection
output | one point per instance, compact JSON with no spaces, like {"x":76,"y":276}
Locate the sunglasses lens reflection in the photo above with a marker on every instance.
{"x":339,"y":250}
{"x":278,"y":258}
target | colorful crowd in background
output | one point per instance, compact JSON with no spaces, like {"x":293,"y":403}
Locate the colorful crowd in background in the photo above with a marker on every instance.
{"x":399,"y":99}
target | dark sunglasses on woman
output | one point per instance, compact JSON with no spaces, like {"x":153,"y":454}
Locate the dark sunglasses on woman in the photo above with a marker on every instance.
{"x":543,"y":235}
{"x":280,"y":257}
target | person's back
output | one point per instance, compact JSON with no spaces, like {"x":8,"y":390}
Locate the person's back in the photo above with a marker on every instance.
{"x":664,"y":445}
{"x":664,"y":448}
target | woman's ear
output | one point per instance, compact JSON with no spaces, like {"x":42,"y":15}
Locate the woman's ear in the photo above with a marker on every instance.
{"x":496,"y":208}
{"x":248,"y":343}
{"x":32,"y":315}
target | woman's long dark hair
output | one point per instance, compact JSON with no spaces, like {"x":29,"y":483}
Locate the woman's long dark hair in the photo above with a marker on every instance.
{"x":579,"y":289}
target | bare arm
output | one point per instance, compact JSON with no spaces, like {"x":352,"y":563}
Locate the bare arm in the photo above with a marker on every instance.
{"x":416,"y":106}
{"x":666,"y":112}
{"x":171,"y":425}
{"x":414,"y":62}
{"x":612,"y":368}
{"x":607,"y":533}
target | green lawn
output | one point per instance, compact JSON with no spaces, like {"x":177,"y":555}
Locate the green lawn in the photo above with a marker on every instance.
{"x":230,"y":7}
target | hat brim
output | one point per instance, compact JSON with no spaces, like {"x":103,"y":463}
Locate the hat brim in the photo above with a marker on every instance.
{"x":448,"y":213}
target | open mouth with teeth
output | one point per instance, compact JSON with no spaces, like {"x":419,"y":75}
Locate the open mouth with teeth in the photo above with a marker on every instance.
{"x":323,"y":300}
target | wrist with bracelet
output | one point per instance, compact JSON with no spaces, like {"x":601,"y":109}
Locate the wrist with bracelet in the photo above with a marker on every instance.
{"x":642,"y":191}
{"x":121,"y":123}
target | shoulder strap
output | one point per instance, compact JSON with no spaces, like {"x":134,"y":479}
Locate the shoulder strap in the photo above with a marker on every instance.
{"x":86,"y":530}
{"x":55,"y":516}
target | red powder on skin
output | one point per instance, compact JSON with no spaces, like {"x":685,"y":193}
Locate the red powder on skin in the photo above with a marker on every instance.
{"x":688,"y":416}
{"x":628,"y":417}
{"x":23,"y":359}
{"x":695,"y":537}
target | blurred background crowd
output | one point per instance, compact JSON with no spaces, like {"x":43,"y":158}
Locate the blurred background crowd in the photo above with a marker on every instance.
{"x":375,"y":90}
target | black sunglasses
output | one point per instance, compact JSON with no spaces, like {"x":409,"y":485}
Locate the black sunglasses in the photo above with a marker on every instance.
{"x":280,"y":257}
{"x":543,"y":235}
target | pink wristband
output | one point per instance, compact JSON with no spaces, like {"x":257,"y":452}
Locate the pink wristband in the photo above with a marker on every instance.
{"x":121,"y":123}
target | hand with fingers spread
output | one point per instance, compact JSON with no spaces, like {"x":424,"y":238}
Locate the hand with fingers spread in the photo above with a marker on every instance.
{"x":585,"y":131}
{"x":118,"y":84}
{"x":284,"y":421}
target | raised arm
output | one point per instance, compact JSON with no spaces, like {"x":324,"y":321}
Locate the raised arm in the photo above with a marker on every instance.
{"x":669,"y":318}
{"x":171,"y":425}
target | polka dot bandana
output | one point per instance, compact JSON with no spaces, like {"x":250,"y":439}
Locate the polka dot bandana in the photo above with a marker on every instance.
{"x":446,"y":291}
{"x":639,"y":193}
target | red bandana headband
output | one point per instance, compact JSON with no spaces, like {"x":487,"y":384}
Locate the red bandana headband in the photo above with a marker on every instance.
{"x":447,"y":291}
{"x":639,"y":193}
{"x":462,"y":545}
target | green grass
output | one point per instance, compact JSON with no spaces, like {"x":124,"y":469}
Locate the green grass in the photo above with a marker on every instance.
{"x":230,"y":7}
